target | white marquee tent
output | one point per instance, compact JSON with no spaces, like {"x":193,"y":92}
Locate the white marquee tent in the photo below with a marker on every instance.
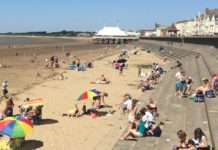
{"x":111,"y":31}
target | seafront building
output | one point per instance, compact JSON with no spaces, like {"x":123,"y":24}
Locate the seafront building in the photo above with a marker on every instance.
{"x":114,"y":35}
{"x":203,"y":24}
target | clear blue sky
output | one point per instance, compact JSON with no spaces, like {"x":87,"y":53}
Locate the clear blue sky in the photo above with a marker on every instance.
{"x":90,"y":15}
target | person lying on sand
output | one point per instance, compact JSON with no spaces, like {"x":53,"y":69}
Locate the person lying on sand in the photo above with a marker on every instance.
{"x":72,"y":112}
{"x":4,"y":66}
{"x":101,"y":80}
{"x":75,"y":112}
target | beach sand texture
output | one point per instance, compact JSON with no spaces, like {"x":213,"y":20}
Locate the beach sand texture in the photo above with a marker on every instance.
{"x":64,"y":133}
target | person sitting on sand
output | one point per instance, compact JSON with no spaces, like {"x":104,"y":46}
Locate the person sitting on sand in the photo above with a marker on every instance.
{"x":138,"y":131}
{"x":102,"y":80}
{"x":132,"y":111}
{"x":73,"y":112}
{"x":4,"y":66}
{"x":145,"y":86}
{"x":164,"y":59}
{"x":153,"y":107}
{"x":61,"y":77}
{"x":125,"y":103}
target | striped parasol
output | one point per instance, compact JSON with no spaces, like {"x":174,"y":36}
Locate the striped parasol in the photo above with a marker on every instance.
{"x":16,"y":127}
{"x":88,"y":94}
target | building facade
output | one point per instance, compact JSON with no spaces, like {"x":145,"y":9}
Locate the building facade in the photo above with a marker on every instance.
{"x":203,"y":24}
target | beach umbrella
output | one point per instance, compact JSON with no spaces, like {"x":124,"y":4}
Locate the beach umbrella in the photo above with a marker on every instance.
{"x":34,"y":102}
{"x":121,"y":60}
{"x":87,"y":95}
{"x":16,"y":127}
{"x":95,"y":91}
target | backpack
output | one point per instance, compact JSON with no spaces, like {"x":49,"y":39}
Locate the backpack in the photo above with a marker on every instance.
{"x":210,"y":94}
{"x":157,"y":131}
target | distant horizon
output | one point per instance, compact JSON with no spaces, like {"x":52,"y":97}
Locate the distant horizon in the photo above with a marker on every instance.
{"x":91,"y":16}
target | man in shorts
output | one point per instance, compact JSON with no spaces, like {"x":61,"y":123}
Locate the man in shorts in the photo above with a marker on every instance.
{"x":4,"y":88}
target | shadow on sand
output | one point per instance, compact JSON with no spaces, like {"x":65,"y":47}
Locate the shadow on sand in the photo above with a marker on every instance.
{"x":48,"y":121}
{"x":31,"y":144}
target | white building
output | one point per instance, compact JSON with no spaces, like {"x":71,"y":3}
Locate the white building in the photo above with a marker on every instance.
{"x":203,"y":24}
{"x":148,"y":33}
{"x":109,"y":35}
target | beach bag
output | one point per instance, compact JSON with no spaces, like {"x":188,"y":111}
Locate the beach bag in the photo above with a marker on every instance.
{"x":161,"y":70}
{"x":157,"y":131}
{"x":210,"y":94}
{"x":200,"y":98}
{"x":146,"y":87}
{"x":215,"y":85}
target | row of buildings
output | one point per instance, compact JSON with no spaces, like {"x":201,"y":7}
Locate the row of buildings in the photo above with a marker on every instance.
{"x":203,"y":24}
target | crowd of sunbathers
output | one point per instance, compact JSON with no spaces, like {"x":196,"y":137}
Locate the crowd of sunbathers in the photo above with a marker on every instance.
{"x":151,"y":78}
{"x":141,"y":121}
{"x":206,"y":89}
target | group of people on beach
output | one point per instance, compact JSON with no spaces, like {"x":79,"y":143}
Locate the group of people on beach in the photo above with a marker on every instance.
{"x":140,"y":120}
{"x":151,"y":78}
{"x":184,"y":85}
{"x":32,"y":113}
{"x":199,"y":142}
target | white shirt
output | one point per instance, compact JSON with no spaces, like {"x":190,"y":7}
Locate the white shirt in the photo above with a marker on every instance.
{"x":4,"y":86}
{"x":147,"y":119}
{"x":127,"y":103}
{"x":178,"y":75}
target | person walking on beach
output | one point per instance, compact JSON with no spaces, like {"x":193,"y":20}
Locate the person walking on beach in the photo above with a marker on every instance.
{"x":4,"y":88}
{"x":139,"y":72}
{"x":121,"y":69}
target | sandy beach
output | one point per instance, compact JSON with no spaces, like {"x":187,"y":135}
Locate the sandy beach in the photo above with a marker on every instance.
{"x":22,"y":73}
{"x":57,"y":132}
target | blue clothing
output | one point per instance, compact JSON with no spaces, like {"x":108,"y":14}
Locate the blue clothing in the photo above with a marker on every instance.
{"x":141,"y":127}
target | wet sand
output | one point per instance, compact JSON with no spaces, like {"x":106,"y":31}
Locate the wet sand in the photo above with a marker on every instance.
{"x":22,"y":73}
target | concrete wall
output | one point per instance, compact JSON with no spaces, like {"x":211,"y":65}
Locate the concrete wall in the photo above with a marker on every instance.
{"x":193,"y":40}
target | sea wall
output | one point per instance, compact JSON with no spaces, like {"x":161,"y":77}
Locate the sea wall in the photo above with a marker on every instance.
{"x":213,"y":41}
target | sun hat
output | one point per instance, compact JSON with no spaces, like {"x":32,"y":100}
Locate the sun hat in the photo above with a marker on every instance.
{"x":203,"y":79}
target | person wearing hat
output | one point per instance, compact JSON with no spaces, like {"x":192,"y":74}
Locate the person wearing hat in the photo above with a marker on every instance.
{"x":4,"y":88}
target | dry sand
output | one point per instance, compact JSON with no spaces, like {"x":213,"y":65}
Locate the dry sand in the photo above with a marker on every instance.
{"x":60,"y":133}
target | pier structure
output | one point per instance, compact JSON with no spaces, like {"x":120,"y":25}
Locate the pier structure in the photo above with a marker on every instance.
{"x":114,"y":35}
